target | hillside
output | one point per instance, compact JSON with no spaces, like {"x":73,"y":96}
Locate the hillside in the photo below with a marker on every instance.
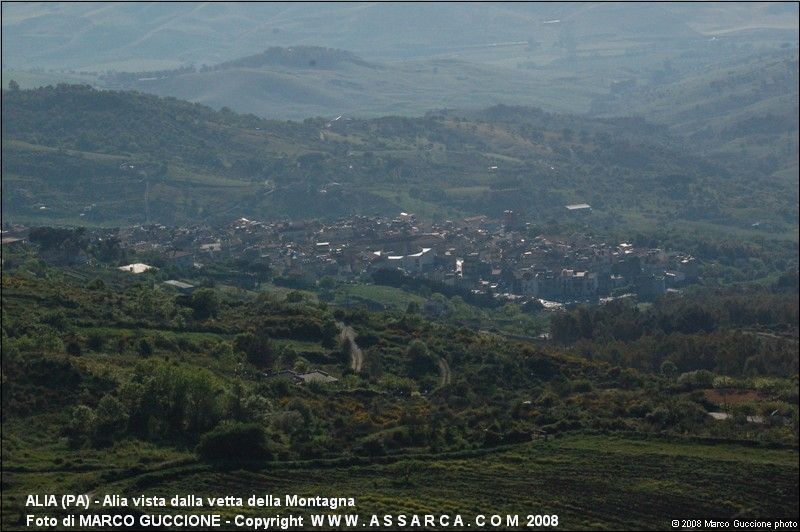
{"x":139,"y":156}
{"x":303,"y":81}
{"x":746,"y":109}
{"x":113,"y":382}
{"x":394,"y":265}
{"x":427,"y":57}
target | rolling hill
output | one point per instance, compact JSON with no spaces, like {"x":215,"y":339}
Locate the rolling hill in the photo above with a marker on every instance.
{"x":745,"y":110}
{"x":401,"y":59}
{"x":138,"y":157}
{"x":154,"y":344}
{"x":302,"y":81}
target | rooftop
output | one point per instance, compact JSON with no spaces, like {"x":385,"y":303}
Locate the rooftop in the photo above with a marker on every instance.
{"x":179,"y":284}
{"x":136,"y":267}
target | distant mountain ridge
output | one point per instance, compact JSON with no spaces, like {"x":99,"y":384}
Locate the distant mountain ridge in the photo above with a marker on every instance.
{"x":301,"y":81}
{"x":162,"y":35}
{"x":294,"y":56}
{"x":376,"y":59}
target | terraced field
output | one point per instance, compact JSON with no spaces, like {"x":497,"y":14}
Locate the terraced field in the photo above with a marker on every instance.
{"x":588,"y":481}
{"x":586,"y":488}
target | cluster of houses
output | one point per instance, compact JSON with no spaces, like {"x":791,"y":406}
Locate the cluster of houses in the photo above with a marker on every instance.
{"x":501,"y":257}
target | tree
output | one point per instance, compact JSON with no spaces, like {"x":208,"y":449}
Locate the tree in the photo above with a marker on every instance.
{"x":234,"y":442}
{"x":111,"y":420}
{"x":80,"y":425}
{"x":205,"y":304}
{"x":420,"y":359}
{"x":327,"y":283}
{"x":669,"y":369}
{"x":65,"y":241}
{"x":13,"y":85}
{"x":108,"y":250}
{"x":584,"y":322}
{"x":412,"y":308}
{"x":564,"y":328}
{"x":145,"y":348}
{"x":74,"y":348}
{"x":257,"y":348}
{"x":165,"y":402}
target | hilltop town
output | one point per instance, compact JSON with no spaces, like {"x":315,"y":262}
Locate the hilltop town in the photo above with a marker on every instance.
{"x":502,"y":259}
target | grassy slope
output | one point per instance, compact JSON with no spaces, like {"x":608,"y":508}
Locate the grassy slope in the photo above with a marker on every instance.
{"x":33,"y":79}
{"x":745,"y":109}
{"x":589,"y":481}
{"x":402,"y":88}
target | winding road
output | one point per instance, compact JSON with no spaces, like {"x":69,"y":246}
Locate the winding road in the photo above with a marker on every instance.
{"x":444,"y":372}
{"x":356,"y":355}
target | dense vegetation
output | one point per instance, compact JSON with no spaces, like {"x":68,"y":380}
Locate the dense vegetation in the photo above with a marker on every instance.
{"x":410,"y":395}
{"x":139,"y":157}
{"x":113,"y":382}
{"x":733,"y":332}
{"x":97,"y":362}
{"x":588,"y":480}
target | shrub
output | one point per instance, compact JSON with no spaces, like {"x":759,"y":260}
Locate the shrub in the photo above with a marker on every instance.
{"x":80,"y":425}
{"x":74,"y":348}
{"x":700,"y":378}
{"x":95,"y":341}
{"x":205,"y":304}
{"x":581,"y":385}
{"x":96,"y":284}
{"x":145,"y":348}
{"x":164,"y":343}
{"x":234,"y":442}
{"x":373,"y":447}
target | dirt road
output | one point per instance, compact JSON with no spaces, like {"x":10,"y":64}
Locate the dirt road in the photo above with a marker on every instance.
{"x":356,"y":355}
{"x":444,"y":372}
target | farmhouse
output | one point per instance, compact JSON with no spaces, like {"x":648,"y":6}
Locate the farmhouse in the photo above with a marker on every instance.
{"x":180,"y":285}
{"x":580,"y":208}
{"x":10,"y":241}
{"x":316,"y":375}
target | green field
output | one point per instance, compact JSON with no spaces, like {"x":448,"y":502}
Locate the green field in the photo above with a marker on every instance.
{"x":589,"y":481}
{"x":375,"y":295}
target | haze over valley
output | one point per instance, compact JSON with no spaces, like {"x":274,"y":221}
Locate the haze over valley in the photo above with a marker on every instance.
{"x":418,"y":260}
